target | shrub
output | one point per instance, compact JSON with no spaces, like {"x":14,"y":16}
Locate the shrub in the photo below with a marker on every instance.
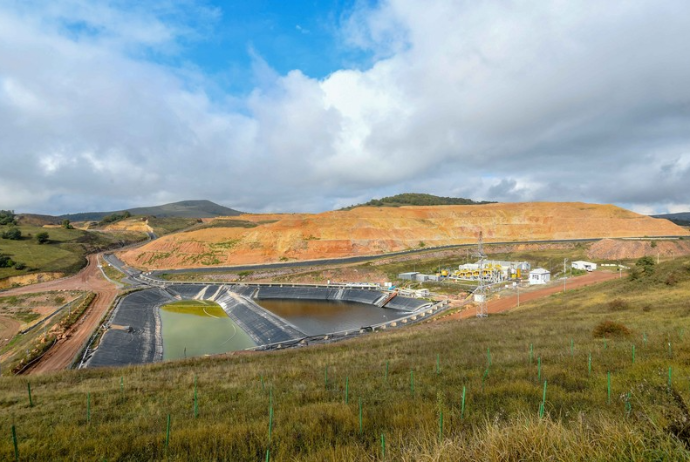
{"x":609,"y":328}
{"x":19,"y":266}
{"x":13,"y":234}
{"x":6,"y":261}
{"x":42,"y":237}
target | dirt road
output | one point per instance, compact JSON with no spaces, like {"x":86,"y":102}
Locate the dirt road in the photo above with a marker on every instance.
{"x":508,"y":303}
{"x":89,"y":279}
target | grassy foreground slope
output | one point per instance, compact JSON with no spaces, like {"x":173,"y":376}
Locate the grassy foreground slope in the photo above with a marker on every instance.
{"x":406,"y":380}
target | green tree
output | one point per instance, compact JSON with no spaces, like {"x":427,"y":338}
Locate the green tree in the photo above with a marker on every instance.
{"x":7,"y":217}
{"x":42,"y":237}
{"x":6,"y":261}
{"x":12,"y":233}
{"x":66,"y":224}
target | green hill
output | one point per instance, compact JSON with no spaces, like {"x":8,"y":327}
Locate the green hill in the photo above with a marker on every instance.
{"x":183,"y":209}
{"x":556,"y":379}
{"x":417,"y":199}
{"x":681,"y":219}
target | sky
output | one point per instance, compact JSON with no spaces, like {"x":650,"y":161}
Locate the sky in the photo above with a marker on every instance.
{"x":308,"y":105}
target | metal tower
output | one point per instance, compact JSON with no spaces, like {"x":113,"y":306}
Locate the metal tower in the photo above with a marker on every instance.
{"x":480,"y":292}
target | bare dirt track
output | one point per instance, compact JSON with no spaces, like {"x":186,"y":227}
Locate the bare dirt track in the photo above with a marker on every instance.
{"x":89,"y":279}
{"x":508,"y":303}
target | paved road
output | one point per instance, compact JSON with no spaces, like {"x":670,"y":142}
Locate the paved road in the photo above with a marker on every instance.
{"x":89,"y":279}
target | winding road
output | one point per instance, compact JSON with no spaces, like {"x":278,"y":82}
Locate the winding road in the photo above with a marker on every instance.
{"x":89,"y":279}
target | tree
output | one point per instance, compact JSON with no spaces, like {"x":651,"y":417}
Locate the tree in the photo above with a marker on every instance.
{"x":12,"y":234}
{"x":6,"y":261}
{"x":7,"y":217}
{"x":66,"y":224}
{"x":42,"y":237}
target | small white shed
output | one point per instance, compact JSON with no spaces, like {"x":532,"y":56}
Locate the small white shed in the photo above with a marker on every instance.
{"x":584,"y":265}
{"x":539,"y":276}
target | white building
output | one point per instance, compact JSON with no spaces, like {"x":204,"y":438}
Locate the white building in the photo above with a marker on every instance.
{"x":584,"y":265}
{"x":539,"y":276}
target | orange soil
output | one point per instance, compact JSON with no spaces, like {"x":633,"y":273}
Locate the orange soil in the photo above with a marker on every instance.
{"x":609,"y":249}
{"x":90,"y":279}
{"x":370,"y":231}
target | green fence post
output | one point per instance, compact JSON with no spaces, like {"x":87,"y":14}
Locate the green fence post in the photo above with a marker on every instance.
{"x":167,"y":436}
{"x":440,"y":426}
{"x":268,"y":455}
{"x":16,"y":446}
{"x":608,"y":380}
{"x":270,"y":423}
{"x":462,"y":409}
{"x":31,"y":401}
{"x":644,"y":338}
{"x":383,"y":446}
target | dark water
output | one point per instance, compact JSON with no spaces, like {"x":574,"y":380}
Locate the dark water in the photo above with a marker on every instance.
{"x":314,"y":317}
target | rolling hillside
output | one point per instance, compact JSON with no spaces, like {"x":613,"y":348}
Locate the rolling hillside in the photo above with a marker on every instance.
{"x":183,"y":209}
{"x":373,"y":231}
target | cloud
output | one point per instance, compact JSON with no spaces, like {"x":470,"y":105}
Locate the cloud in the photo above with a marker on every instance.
{"x":584,"y":101}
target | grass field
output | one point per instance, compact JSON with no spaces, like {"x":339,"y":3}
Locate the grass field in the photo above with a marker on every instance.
{"x":65,"y":251}
{"x":530,"y":391}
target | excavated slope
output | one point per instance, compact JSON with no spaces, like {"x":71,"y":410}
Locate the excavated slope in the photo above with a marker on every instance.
{"x":369,"y":231}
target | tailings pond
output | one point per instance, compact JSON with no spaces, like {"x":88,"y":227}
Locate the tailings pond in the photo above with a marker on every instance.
{"x":196,"y":328}
{"x":315,"y":317}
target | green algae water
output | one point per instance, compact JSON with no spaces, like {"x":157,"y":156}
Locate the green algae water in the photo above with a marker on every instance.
{"x":197,"y":328}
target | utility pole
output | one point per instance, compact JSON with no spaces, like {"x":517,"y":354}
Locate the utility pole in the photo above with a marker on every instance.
{"x":565,"y":278}
{"x":480,"y":292}
{"x":518,"y":290}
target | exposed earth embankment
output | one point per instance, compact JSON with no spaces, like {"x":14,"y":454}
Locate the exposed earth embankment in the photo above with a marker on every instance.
{"x":254,"y":239}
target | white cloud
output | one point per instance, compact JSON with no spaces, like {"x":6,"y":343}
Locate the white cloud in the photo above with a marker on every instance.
{"x":501,"y":101}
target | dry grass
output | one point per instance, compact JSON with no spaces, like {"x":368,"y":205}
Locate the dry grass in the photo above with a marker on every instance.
{"x":644,"y":418}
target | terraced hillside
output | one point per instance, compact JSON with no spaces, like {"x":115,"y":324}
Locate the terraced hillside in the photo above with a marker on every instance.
{"x":371,"y":231}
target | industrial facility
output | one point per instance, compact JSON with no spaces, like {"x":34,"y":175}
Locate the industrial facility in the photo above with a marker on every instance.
{"x":492,"y":270}
{"x":584,"y":265}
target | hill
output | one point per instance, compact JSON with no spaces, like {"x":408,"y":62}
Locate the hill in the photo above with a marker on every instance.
{"x":183,"y":209}
{"x":682,"y":219}
{"x":375,"y":231}
{"x":593,"y":374}
{"x":63,"y":252}
{"x":418,"y":199}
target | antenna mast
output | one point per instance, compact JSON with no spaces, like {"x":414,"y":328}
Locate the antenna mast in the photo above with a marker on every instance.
{"x":480,"y":292}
